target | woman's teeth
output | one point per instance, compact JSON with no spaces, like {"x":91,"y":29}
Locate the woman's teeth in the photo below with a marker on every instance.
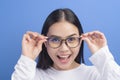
{"x":63,"y":57}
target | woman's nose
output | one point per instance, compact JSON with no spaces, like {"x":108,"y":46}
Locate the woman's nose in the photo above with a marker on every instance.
{"x":64,"y":46}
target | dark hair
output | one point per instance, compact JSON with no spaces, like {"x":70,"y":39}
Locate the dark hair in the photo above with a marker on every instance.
{"x":44,"y":61}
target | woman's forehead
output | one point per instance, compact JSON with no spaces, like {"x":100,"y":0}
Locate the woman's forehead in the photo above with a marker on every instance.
{"x":63,"y":29}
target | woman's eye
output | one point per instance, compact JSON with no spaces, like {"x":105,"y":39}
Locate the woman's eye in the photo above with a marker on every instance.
{"x":55,"y":40}
{"x":71,"y":39}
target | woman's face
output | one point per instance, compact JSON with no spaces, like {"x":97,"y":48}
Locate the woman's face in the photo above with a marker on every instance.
{"x":63,"y":57}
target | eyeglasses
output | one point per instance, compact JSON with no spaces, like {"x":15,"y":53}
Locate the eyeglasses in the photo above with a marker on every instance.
{"x":55,"y":42}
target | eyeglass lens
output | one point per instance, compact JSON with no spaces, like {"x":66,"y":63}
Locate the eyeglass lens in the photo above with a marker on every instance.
{"x":56,"y":42}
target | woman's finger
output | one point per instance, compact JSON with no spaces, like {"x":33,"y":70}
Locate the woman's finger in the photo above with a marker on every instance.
{"x":26,"y":38}
{"x":32,"y":35}
{"x":100,"y":34}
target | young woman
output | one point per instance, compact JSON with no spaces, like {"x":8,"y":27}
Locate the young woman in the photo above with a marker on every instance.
{"x":59,"y":49}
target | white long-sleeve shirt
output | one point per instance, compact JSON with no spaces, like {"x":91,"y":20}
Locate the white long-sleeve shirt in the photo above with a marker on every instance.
{"x":104,"y":68}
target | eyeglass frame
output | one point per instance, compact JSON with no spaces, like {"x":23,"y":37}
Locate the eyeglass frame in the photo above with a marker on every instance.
{"x":63,"y":40}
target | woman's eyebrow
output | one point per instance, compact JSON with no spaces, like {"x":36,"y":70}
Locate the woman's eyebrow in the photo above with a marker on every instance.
{"x":62,"y":37}
{"x":54,"y":36}
{"x":71,"y":35}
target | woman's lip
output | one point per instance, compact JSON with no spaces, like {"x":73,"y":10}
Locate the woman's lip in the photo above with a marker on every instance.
{"x":65,"y":56}
{"x":64,"y":59}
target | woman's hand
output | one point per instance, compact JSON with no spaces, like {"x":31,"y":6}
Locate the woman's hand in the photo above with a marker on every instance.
{"x":32,"y":44}
{"x":95,"y":40}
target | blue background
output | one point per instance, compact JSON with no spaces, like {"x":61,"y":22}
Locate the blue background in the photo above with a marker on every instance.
{"x":19,"y":16}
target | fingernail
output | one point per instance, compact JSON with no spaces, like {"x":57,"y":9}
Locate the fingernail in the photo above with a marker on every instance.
{"x":45,"y":37}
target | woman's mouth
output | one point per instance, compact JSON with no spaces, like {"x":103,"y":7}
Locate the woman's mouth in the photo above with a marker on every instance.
{"x":64,"y":58}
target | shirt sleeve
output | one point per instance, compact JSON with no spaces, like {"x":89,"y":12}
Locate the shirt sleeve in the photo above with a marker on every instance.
{"x":105,"y":64}
{"x":24,"y":69}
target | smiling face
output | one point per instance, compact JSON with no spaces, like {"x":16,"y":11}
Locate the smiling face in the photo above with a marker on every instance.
{"x":63,"y":57}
